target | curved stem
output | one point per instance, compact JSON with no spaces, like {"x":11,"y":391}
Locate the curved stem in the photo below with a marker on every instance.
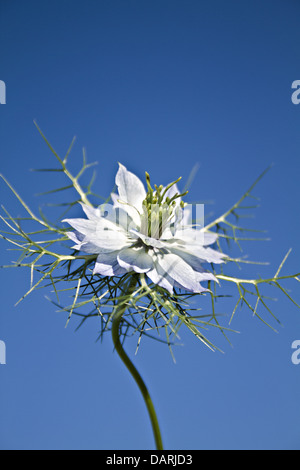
{"x":116,"y":322}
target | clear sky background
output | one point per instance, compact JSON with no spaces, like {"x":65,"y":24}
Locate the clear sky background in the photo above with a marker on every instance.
{"x":158,"y":85}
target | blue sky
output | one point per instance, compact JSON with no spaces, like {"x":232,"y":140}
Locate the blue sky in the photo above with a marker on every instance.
{"x":160,"y":86}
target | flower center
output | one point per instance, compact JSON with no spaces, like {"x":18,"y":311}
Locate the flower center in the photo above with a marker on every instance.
{"x":159,"y":209}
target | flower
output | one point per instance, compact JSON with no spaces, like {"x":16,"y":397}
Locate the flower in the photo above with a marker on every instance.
{"x":146,"y":232}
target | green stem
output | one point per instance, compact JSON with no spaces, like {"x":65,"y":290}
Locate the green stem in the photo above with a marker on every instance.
{"x":116,"y":322}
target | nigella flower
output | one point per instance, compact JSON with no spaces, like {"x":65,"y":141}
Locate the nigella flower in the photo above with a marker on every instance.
{"x":146,"y":238}
{"x":146,"y":232}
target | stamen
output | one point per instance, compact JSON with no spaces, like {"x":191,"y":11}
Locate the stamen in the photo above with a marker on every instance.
{"x":158,"y":209}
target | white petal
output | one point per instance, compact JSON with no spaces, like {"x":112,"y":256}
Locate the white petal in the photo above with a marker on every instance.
{"x":205,"y":276}
{"x":127,"y":216}
{"x":180,"y":271}
{"x":158,"y":276}
{"x":187,"y":234}
{"x":149,"y":241}
{"x":132,"y":212}
{"x":109,"y":240}
{"x":192,"y":260}
{"x":82,"y":245}
{"x":135,"y":259}
{"x":84,"y":226}
{"x":109,"y":223}
{"x":191,"y":235}
{"x":91,"y":212}
{"x":107,"y":265}
{"x":116,"y":215}
{"x":205,"y":254}
{"x":210,"y":238}
{"x":101,"y":232}
{"x":130,"y":187}
{"x":76,"y":237}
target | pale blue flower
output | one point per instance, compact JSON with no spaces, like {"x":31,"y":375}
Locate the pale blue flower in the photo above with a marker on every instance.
{"x":146,"y":232}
